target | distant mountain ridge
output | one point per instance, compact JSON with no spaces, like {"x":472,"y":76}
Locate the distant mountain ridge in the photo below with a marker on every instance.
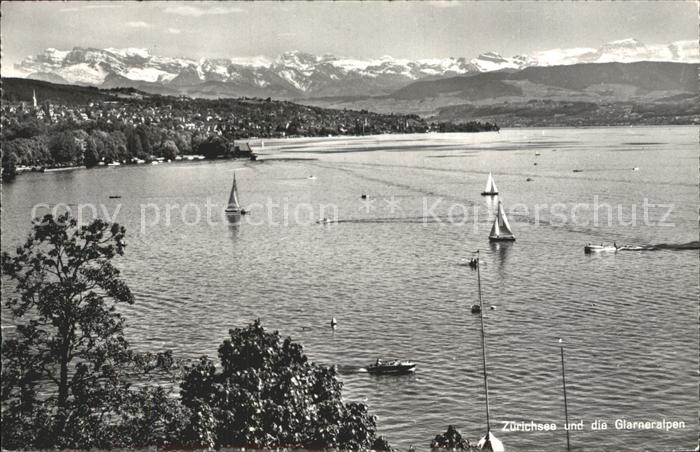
{"x":303,"y":75}
{"x":642,"y":79}
{"x":620,"y":89}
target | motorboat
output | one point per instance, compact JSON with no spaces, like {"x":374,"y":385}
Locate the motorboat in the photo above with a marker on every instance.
{"x":602,"y":248}
{"x":392,"y":366}
{"x":324,"y":221}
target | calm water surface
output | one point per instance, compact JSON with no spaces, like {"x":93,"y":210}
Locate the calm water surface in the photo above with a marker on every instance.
{"x":390,"y":271}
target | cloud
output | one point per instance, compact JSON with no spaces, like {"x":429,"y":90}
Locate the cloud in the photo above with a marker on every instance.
{"x":138,"y":24}
{"x":174,"y":30}
{"x":104,"y":5}
{"x":446,"y":3}
{"x":196,"y":11}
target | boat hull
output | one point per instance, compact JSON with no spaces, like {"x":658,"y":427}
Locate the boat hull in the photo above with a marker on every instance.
{"x":394,"y":371}
{"x":501,"y":239}
{"x":392,"y":368}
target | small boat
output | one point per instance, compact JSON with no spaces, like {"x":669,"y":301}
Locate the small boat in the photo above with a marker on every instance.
{"x":535,"y":163}
{"x":602,"y":248}
{"x":500,"y":231}
{"x":324,"y":221}
{"x":476,"y":309}
{"x":392,"y":366}
{"x":114,"y":196}
{"x":536,"y":154}
{"x":529,"y":179}
{"x":578,"y":171}
{"x":636,"y":168}
{"x":363,"y":196}
{"x":311,"y":177}
{"x":334,"y":322}
{"x":234,"y":207}
{"x":490,"y":189}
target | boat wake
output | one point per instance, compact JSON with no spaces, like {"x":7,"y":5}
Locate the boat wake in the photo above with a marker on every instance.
{"x":695,"y":245}
{"x":663,"y":246}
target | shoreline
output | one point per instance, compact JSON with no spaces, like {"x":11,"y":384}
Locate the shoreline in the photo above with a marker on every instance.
{"x":279,"y":144}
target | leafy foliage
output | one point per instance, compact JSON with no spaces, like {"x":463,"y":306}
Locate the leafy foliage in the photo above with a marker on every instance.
{"x":70,"y":379}
{"x":267,"y":394}
{"x":67,"y":373}
{"x":452,"y":439}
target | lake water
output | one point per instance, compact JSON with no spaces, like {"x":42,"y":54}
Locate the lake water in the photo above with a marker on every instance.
{"x":389,"y":271}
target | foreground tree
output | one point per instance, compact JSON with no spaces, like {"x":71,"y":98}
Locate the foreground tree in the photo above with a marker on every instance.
{"x":267,"y":394}
{"x":70,"y":380}
{"x":67,"y":369}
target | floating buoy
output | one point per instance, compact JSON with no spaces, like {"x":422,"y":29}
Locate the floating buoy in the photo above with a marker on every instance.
{"x":535,"y":163}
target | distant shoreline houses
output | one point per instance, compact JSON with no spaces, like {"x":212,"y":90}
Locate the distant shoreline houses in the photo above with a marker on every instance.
{"x":122,"y":127}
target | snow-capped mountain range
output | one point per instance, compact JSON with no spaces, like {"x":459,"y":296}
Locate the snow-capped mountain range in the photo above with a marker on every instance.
{"x":299,"y":74}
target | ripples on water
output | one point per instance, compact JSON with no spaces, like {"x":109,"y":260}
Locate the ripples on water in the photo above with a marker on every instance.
{"x":396,"y":286}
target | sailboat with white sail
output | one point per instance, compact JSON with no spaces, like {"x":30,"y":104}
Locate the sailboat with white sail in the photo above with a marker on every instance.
{"x":488,"y":442}
{"x":490,"y":189}
{"x":500,"y":231}
{"x":234,"y":207}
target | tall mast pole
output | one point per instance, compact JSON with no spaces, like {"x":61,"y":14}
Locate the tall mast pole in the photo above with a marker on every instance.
{"x":566,"y":409}
{"x":483,"y":344}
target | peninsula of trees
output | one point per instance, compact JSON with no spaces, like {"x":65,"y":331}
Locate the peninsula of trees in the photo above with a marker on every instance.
{"x":49,"y":125}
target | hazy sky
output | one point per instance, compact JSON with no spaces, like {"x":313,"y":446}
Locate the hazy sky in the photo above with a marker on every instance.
{"x":353,"y":29}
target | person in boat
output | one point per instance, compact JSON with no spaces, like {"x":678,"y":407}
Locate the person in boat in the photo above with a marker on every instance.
{"x":379,"y":361}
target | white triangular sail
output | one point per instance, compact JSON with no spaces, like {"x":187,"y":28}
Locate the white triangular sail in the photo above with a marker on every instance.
{"x":495,"y":229}
{"x":504,"y":220}
{"x":490,"y":186}
{"x":233,"y":205}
